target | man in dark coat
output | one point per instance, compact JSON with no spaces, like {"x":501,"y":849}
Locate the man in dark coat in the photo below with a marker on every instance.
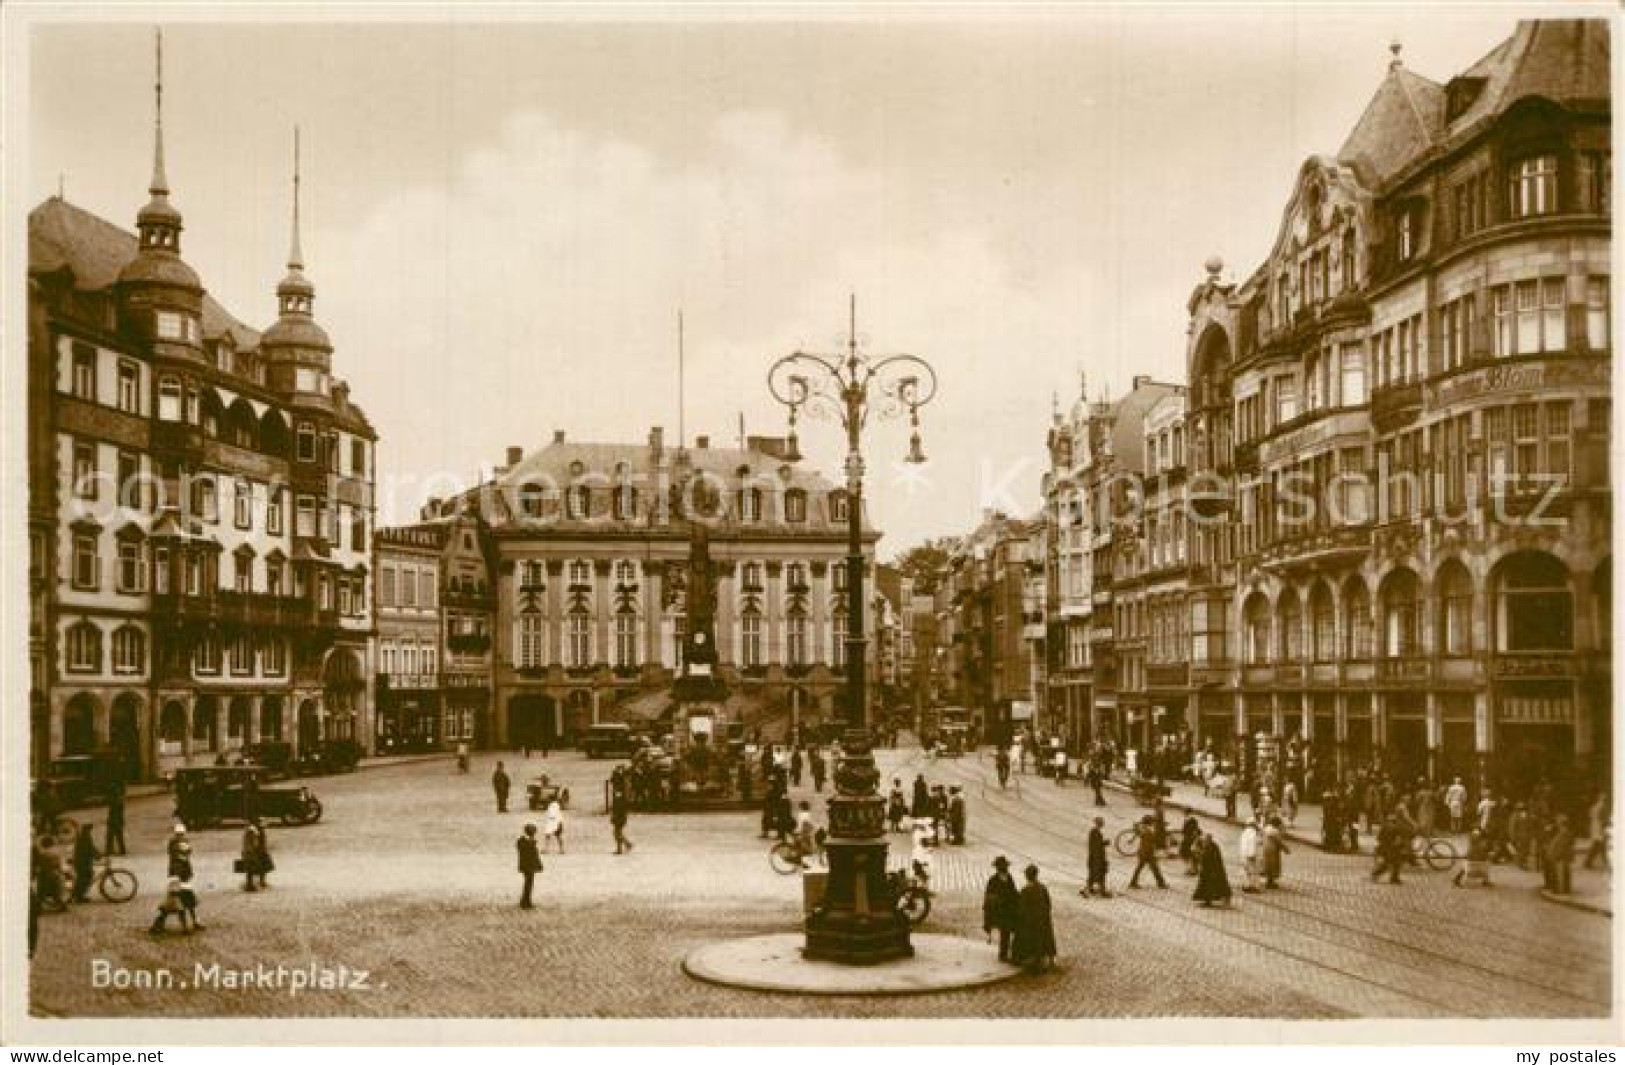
{"x":1097,"y":861}
{"x":1035,"y":930}
{"x":1146,"y":830}
{"x":1393,"y":850}
{"x":956,"y":816}
{"x":619,"y":805}
{"x":500,"y":784}
{"x":1097,"y":777}
{"x":1001,"y":763}
{"x":795,"y":767}
{"x":819,"y":768}
{"x":1331,"y":828}
{"x":530,"y":863}
{"x":1212,"y":882}
{"x":921,"y":806}
{"x":113,"y":843}
{"x":84,"y":862}
{"x":1001,"y":904}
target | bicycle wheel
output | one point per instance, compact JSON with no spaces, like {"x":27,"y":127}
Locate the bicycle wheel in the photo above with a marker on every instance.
{"x":1441,"y":855}
{"x":915,"y":905}
{"x":117,"y":885}
{"x":1127,"y":842}
{"x":784,"y":859}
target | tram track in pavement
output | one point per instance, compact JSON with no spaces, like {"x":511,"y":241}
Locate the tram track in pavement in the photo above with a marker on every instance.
{"x":1425,"y":921}
{"x":1299,"y":922}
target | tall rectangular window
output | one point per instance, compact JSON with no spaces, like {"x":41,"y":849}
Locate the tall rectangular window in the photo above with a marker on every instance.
{"x":84,"y":372}
{"x":358,"y":457}
{"x":304,"y":520}
{"x":306,"y":442}
{"x":84,"y":469}
{"x":1594,"y":176}
{"x":169,"y":400}
{"x":1525,"y":443}
{"x":129,"y":387}
{"x":1597,"y":313}
{"x":131,"y":568}
{"x":530,"y":641}
{"x":1533,"y":186}
{"x":273,"y":511}
{"x":1558,"y":439}
{"x":750,"y":628}
{"x":87,"y":563}
{"x":580,"y":643}
{"x":129,"y":480}
{"x":1501,"y":313}
{"x":242,"y":505}
{"x":1353,"y":376}
{"x":1553,"y":331}
{"x":626,"y":640}
{"x":1528,"y":317}
{"x":795,"y":653}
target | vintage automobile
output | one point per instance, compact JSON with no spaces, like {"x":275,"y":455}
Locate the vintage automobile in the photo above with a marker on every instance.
{"x":205,"y":797}
{"x":610,"y":741}
{"x":543,"y":790}
{"x":275,"y":756}
{"x":79,"y":780}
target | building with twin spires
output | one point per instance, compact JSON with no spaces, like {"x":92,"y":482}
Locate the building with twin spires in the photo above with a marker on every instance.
{"x":200,"y":504}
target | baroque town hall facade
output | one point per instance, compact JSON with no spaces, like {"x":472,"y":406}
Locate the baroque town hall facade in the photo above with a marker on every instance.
{"x":200,"y":505}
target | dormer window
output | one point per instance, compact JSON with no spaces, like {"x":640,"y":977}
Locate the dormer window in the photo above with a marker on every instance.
{"x":1407,"y":226}
{"x":838,"y":506}
{"x":171,"y":326}
{"x":577,"y":502}
{"x":795,"y":505}
{"x":307,"y":442}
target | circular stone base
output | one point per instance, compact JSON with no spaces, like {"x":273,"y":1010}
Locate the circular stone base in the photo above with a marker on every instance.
{"x":774,"y":963}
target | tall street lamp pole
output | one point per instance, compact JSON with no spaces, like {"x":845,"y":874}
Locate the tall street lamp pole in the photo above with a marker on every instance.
{"x":856,"y":923}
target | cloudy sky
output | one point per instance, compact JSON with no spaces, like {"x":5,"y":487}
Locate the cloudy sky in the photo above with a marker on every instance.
{"x":503,"y":220}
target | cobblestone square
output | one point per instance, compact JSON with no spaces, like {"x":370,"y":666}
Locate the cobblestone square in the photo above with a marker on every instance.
{"x":409,"y":876}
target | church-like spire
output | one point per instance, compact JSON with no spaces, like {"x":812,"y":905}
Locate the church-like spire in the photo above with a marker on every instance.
{"x":296,"y":258}
{"x":159,"y":185}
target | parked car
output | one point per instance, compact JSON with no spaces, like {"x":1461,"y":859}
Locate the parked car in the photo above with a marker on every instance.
{"x":80,"y":780}
{"x":330,"y":756}
{"x":205,"y":797}
{"x":610,"y":741}
{"x":275,"y":756}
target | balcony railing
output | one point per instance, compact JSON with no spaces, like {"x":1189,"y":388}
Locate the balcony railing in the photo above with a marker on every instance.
{"x":255,"y":609}
{"x":1533,"y":664}
{"x":404,"y":682}
{"x":1408,"y":668}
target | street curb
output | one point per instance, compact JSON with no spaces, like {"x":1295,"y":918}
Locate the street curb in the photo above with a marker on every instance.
{"x":1575,"y":904}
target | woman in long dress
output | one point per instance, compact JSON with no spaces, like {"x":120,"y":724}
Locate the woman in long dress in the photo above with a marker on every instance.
{"x":1034,"y":947}
{"x":553,"y":825}
{"x":1212,"y":882}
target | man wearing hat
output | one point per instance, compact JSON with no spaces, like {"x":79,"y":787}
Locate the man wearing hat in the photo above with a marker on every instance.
{"x":1097,"y":861}
{"x":530,"y":863}
{"x":956,"y":816}
{"x":1001,"y":903}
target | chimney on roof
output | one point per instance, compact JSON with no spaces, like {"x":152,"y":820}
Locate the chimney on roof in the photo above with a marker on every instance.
{"x":774,"y":446}
{"x":515,"y":455}
{"x":430,"y":509}
{"x":558,"y":436}
{"x":702,"y":442}
{"x":1141,"y":380}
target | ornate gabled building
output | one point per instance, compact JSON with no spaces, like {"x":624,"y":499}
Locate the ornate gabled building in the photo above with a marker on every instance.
{"x":1406,"y":411}
{"x":590,"y":549}
{"x":200,"y":505}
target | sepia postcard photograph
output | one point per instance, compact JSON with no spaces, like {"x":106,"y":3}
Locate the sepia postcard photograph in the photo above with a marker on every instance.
{"x":790,"y":523}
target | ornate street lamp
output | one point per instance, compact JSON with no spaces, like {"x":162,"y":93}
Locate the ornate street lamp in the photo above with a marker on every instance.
{"x":856,"y":923}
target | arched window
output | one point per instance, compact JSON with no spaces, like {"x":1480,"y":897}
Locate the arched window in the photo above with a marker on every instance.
{"x":1256,"y":622}
{"x":1534,"y":605}
{"x":1401,"y":615}
{"x":84,"y":648}
{"x":1290,"y":612}
{"x":172,"y":723}
{"x":1357,"y":626}
{"x":1455,"y":609}
{"x":1323,"y":623}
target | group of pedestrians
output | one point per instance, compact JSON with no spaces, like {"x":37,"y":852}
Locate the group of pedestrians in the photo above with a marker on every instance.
{"x":936,"y":811}
{"x":1022,"y":919}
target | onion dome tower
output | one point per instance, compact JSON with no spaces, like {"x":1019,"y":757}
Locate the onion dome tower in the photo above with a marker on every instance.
{"x":297,"y":352}
{"x":162,"y":296}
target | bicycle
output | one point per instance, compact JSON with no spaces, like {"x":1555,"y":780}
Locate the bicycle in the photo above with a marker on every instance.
{"x":911,"y":890}
{"x":786,"y":857}
{"x":113,"y":883}
{"x":1439,"y":854}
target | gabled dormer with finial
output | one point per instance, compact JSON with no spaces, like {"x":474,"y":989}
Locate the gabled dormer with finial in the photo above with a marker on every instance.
{"x":297,"y":352}
{"x":162,"y":296}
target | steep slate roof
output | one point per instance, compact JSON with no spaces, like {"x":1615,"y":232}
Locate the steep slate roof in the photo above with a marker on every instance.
{"x":62,"y":236}
{"x":1401,"y":122}
{"x":1564,"y":60}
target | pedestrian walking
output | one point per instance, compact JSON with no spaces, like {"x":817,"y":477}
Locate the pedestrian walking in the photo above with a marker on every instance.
{"x":1393,"y":850}
{"x":1249,"y":848}
{"x":819,"y":769}
{"x":1274,"y":848}
{"x":618,"y":809}
{"x":47,"y":867}
{"x":176,"y":838}
{"x":462,"y":757}
{"x":1190,"y":833}
{"x":939,"y":814}
{"x":1476,"y":873}
{"x":553,"y":825}
{"x":1146,"y":833}
{"x":84,"y":862}
{"x":113,"y":841}
{"x":795,"y":767}
{"x":1097,"y":861}
{"x":500,"y":784}
{"x":1597,"y":846}
{"x":1001,"y":906}
{"x":1331,"y":821}
{"x":956,"y":816}
{"x":896,"y":806}
{"x":530,"y":863}
{"x":256,"y":856}
{"x":1018,"y":755}
{"x":169,"y":906}
{"x":188,"y":880}
{"x":1212,"y":882}
{"x":1001,"y":766}
{"x":1521,"y":834}
{"x":1560,"y":857}
{"x":1427,"y":808}
{"x":1034,"y":946}
{"x":1455,"y":802}
{"x":920,"y":807}
{"x":1289,"y":802}
{"x":1096,"y":778}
